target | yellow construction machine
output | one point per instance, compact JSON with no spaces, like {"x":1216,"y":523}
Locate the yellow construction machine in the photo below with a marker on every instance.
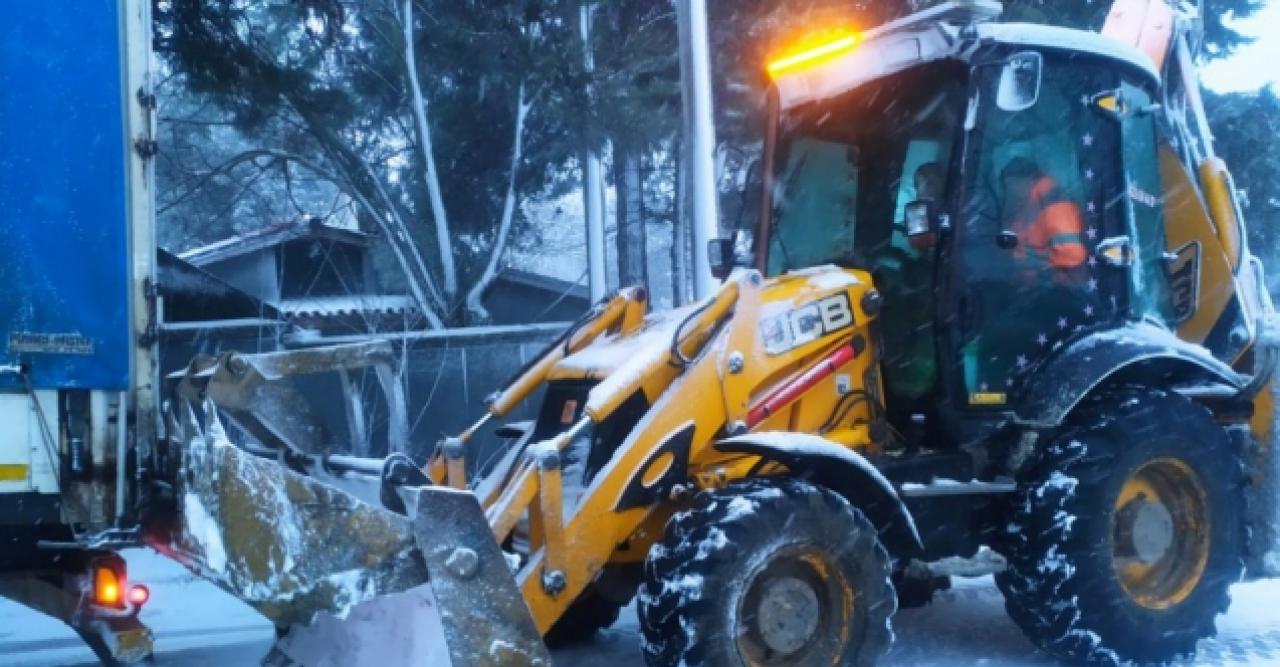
{"x":998,"y":294}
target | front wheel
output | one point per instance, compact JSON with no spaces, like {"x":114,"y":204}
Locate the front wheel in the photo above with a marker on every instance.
{"x":767,"y":572}
{"x":1127,"y":533}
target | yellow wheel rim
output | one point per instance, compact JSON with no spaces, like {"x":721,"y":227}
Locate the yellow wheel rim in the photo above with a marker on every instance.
{"x":796,"y":609}
{"x":1160,"y":533}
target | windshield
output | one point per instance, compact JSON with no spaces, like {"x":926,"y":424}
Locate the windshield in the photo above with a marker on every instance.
{"x":846,"y":168}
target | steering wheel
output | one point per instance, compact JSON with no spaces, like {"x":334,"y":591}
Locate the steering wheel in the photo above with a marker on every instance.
{"x":876,"y":259}
{"x":891,"y":253}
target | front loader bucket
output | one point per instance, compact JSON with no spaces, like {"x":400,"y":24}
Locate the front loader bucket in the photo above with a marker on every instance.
{"x":485,"y":619}
{"x":287,"y":544}
{"x":293,"y":545}
{"x":260,"y":395}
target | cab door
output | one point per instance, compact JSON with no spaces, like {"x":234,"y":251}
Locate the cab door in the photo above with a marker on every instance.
{"x":1141,"y":249}
{"x":1024,"y":278}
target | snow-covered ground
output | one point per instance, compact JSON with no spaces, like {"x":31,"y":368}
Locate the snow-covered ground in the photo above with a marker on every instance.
{"x":195,"y":624}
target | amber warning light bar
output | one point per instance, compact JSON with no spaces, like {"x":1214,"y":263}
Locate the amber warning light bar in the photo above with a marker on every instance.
{"x":814,"y":54}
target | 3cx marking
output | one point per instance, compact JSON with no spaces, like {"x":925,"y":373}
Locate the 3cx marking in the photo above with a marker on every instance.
{"x":806,"y":323}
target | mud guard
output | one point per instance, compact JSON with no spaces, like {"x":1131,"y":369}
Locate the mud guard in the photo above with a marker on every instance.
{"x":844,"y":471}
{"x":1135,"y":349}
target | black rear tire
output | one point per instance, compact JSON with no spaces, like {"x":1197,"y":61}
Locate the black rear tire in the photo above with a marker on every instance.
{"x":767,"y":572}
{"x":1110,"y":559}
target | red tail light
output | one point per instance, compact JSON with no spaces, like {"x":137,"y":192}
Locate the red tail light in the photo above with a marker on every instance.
{"x":138,"y":595}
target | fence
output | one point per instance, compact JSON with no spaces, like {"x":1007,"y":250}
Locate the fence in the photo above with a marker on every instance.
{"x":446,"y":374}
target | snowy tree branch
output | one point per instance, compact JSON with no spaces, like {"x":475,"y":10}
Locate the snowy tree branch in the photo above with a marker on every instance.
{"x":389,"y":219}
{"x":226,"y":166}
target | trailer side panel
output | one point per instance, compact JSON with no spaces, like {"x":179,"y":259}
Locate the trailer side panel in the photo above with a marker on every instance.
{"x":64,"y":270}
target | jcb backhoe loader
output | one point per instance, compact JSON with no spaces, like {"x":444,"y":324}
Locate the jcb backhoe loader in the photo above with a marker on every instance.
{"x":998,"y":294}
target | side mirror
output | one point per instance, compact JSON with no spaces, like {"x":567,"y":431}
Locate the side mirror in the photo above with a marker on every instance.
{"x":720,"y":257}
{"x":725,"y":253}
{"x":923,"y":222}
{"x":1019,"y":86}
{"x":1114,"y":105}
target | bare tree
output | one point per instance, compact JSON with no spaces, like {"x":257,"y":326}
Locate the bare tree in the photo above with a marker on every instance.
{"x":432,"y":177}
{"x":523,"y":107}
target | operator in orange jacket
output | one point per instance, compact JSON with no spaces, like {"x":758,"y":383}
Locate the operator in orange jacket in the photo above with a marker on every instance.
{"x":1049,"y":226}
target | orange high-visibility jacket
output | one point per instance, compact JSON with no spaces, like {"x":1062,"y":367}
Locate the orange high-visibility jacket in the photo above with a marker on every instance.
{"x":1052,"y":228}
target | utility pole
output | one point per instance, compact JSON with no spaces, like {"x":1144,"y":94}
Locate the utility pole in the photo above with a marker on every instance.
{"x":592,"y":177}
{"x":700,"y":137}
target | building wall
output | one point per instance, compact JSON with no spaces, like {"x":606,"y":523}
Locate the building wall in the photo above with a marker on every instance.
{"x":515,"y":303}
{"x":253,"y":273}
{"x":316,"y":267}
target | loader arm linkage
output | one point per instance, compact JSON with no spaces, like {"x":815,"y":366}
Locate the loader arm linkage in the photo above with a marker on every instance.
{"x":536,"y":487}
{"x":622,"y":312}
{"x":293,"y":528}
{"x":703,"y":373}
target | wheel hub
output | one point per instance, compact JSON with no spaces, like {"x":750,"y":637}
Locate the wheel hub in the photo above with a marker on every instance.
{"x":788,"y":614}
{"x":1152,"y":532}
{"x":794,"y":609}
{"x":1160,"y":544}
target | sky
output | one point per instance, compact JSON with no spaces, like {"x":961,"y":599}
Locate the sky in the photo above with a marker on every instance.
{"x":1254,"y":65}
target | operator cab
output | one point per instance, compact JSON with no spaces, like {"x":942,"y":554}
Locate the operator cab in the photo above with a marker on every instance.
{"x":843,"y":173}
{"x":1003,"y":193}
